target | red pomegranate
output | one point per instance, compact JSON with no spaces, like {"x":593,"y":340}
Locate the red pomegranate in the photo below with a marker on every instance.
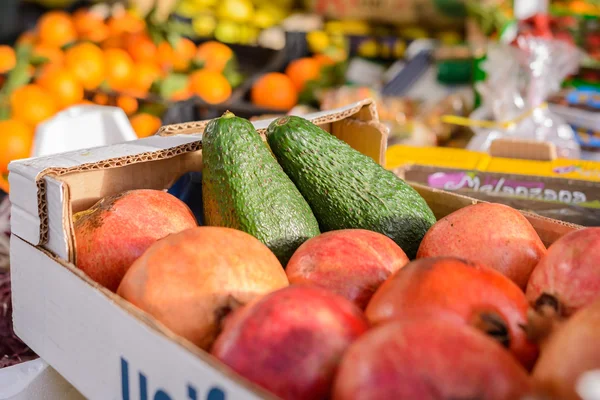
{"x":491,"y":234}
{"x":291,"y":341}
{"x":118,"y":229}
{"x":568,"y":354}
{"x":568,"y":277}
{"x":428,"y":359}
{"x":352,"y":263}
{"x":191,"y":280}
{"x":478,"y":295}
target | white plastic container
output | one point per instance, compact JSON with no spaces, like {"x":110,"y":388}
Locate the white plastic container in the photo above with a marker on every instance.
{"x":82,"y":127}
{"x":35,"y":380}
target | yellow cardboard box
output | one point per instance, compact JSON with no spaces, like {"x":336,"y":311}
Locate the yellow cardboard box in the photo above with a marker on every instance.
{"x":399,"y":155}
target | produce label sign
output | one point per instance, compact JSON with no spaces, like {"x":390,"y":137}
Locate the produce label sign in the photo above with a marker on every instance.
{"x":567,"y":191}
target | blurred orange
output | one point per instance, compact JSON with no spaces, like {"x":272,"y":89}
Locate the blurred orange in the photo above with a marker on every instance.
{"x":164,"y":56}
{"x":145,"y":73}
{"x":141,"y":48}
{"x":90,"y":26}
{"x":145,"y":124}
{"x":274,"y":90}
{"x":181,"y":95}
{"x":128,"y":104}
{"x":16,"y":141}
{"x":86,"y":62}
{"x":125,"y":23}
{"x":302,"y":71}
{"x":86,"y":102}
{"x":112,"y":42}
{"x":4,"y":183}
{"x":101,"y":99}
{"x":119,"y":68}
{"x":27,"y":37}
{"x":214,"y":55}
{"x":55,"y":28}
{"x":323,"y":60}
{"x":63,"y":86}
{"x":210,"y":86}
{"x":8,"y":58}
{"x":54,"y":55}
{"x":32,"y":104}
{"x":183,"y":54}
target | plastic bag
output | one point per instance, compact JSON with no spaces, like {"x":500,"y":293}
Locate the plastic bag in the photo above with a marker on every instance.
{"x":519,"y":81}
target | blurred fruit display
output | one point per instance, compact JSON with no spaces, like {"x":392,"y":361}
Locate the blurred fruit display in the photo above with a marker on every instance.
{"x":107,"y":56}
{"x":446,"y":13}
{"x":233,"y":21}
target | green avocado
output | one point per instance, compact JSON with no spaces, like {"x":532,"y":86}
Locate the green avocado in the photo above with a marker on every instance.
{"x":347,"y":189}
{"x":243,"y":187}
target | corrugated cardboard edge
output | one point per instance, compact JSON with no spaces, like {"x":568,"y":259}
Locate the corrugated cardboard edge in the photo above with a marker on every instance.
{"x":191,"y":128}
{"x":110,"y":163}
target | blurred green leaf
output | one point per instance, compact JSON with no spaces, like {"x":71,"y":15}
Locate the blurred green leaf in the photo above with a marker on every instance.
{"x":155,"y":109}
{"x":171,"y":84}
{"x":36,"y":61}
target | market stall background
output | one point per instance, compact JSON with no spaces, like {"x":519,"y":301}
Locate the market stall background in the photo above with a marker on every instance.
{"x":193,"y":60}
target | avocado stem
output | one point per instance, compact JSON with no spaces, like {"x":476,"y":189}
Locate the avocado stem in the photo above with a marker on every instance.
{"x":228,"y":114}
{"x":282,"y":121}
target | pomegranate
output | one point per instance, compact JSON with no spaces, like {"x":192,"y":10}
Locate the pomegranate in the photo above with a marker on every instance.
{"x":568,"y":353}
{"x":291,"y":341}
{"x":492,"y":234}
{"x":479,"y":295}
{"x":568,"y":276}
{"x":428,"y":359}
{"x":351,"y":262}
{"x":191,"y":280}
{"x":112,"y":234}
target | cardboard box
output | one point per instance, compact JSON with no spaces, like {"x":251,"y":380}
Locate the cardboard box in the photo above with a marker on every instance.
{"x":479,"y":175}
{"x":104,"y":346}
{"x":399,"y":155}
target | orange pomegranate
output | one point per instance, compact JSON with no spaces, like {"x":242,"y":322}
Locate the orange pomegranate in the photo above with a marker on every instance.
{"x":216,"y":268}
